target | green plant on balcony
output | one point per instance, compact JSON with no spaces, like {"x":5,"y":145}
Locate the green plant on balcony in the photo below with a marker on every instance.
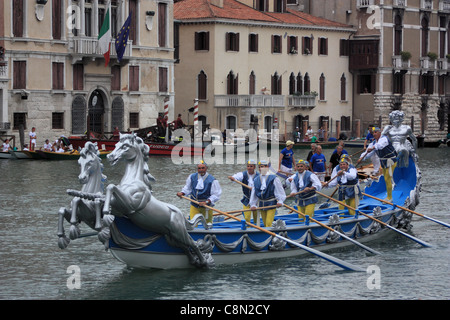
{"x":405,"y":55}
{"x":433,"y":56}
{"x":312,"y":93}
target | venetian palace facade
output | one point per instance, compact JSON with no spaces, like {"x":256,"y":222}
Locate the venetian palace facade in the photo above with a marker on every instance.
{"x":399,"y":58}
{"x":53,"y":76}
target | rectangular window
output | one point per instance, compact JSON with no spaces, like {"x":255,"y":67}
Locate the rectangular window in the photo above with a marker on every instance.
{"x":134,"y":78}
{"x":116,"y":77}
{"x":57,"y":76}
{"x":323,"y":46}
{"x":307,"y":45}
{"x":132,"y":8}
{"x":252,"y":42}
{"x":345,"y":123}
{"x":202,"y":40}
{"x":162,"y":24}
{"x":366,"y":83}
{"x":399,"y":83}
{"x":292,"y":44}
{"x":134,"y":119}
{"x":163,"y":85}
{"x":78,"y":76}
{"x":344,"y":47}
{"x":19,"y":118}
{"x":58,"y":120}
{"x":56,"y":19}
{"x":20,"y":75}
{"x":88,"y":22}
{"x":276,"y":44}
{"x":18,"y":17}
{"x":232,"y":41}
{"x":426,"y":84}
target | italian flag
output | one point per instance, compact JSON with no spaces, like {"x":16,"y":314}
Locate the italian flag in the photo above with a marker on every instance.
{"x":104,"y":37}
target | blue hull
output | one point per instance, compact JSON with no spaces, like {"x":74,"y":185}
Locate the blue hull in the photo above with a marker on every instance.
{"x":233,"y":242}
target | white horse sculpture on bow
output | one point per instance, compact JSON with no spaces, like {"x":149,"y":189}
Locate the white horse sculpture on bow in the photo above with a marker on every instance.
{"x":86,"y":206}
{"x":133,"y":198}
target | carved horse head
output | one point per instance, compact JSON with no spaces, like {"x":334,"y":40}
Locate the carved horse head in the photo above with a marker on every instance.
{"x":91,"y":168}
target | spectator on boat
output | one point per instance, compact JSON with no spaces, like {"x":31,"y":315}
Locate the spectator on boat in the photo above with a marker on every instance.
{"x":33,"y":138}
{"x":312,"y":151}
{"x":162,"y":124}
{"x":369,"y":137}
{"x":387,"y":155}
{"x":116,"y":134}
{"x":247,"y":177}
{"x":25,"y":147}
{"x":47,"y":146}
{"x":348,"y":182}
{"x":6,"y":147}
{"x":342,"y":144}
{"x":286,"y":161}
{"x":297,"y":135}
{"x":307,"y":183}
{"x":267,"y":191}
{"x":321,"y":132}
{"x":178,"y":123}
{"x":203,"y":188}
{"x":335,"y":157}
{"x":309,"y":133}
{"x":318,"y":163}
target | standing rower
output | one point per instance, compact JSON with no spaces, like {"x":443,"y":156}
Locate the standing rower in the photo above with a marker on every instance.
{"x":247,"y":177}
{"x":267,"y":191}
{"x":203,"y":188}
{"x":307,"y":183}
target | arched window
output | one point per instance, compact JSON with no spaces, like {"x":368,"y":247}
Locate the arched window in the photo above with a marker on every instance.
{"x":322,"y":87}
{"x":232,"y":83}
{"x":306,"y":84}
{"x":231,"y":122}
{"x":202,"y":80}
{"x":292,"y":85}
{"x":276,"y":84}
{"x":299,"y":84}
{"x":343,"y":88}
{"x":252,"y":83}
{"x":79,"y":115}
{"x":117,"y":113}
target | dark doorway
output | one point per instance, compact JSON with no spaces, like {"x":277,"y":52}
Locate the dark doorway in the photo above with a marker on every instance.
{"x":96,"y":112}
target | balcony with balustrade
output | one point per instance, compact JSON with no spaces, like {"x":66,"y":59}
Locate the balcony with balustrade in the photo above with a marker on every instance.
{"x":249,"y":101}
{"x":307,"y":101}
{"x":444,"y":6}
{"x":426,"y":5}
{"x":364,"y":3}
{"x":400,"y":4}
{"x":87,"y":47}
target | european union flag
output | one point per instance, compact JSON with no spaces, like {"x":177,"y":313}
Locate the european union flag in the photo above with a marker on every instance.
{"x":122,"y":38}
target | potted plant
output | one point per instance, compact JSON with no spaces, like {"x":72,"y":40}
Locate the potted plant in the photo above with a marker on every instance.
{"x":433,"y":56}
{"x":405,"y":55}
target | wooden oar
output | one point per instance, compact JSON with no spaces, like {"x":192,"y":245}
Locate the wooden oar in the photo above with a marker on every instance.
{"x":327,"y":203}
{"x":243,"y":184}
{"x":336,"y":261}
{"x":354,"y":154}
{"x":406,"y":209}
{"x":423,"y":243}
{"x":331,"y":229}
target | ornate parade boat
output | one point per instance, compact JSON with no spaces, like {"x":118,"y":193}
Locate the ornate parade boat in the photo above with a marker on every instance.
{"x":143,"y":232}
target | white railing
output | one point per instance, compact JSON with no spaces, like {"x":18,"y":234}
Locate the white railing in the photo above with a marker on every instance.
{"x":304,"y":101}
{"x":89,"y":46}
{"x":426,"y":63}
{"x":3,"y":69}
{"x":444,"y":5}
{"x":258,"y":101}
{"x":442,"y":64}
{"x":364,"y":3}
{"x":426,"y":4}
{"x":398,"y":63}
{"x":400,"y":3}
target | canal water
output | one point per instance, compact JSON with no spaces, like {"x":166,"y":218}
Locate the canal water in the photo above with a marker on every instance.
{"x":33,"y":267}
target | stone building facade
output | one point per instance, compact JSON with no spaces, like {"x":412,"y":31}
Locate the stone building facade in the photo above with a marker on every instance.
{"x":53,"y":75}
{"x":399,"y":59}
